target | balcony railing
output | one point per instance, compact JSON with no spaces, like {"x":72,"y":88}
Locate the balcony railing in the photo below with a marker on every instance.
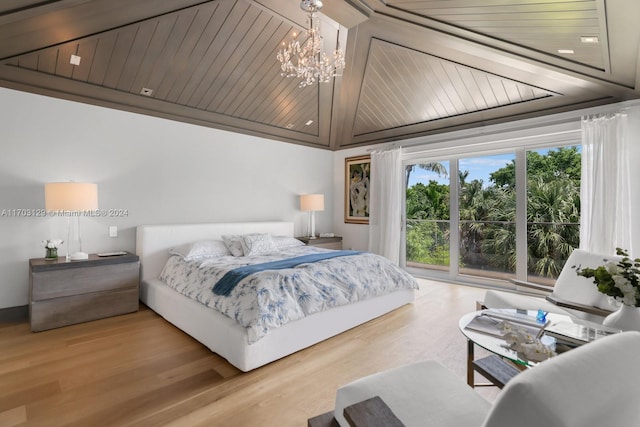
{"x":487,"y":248}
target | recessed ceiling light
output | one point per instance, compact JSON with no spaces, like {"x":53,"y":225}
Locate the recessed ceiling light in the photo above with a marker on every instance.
{"x":589,"y":39}
{"x":567,"y":51}
{"x":309,"y":122}
{"x":146,"y":91}
{"x":75,"y":60}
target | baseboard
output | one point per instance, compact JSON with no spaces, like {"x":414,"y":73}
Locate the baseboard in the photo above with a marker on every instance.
{"x":14,"y":314}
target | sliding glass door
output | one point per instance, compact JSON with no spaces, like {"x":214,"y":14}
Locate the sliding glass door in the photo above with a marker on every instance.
{"x":487,"y":212}
{"x":494,"y":217}
{"x":553,"y":210}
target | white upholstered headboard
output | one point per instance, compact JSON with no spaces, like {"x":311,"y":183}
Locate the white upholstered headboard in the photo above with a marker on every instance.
{"x":154,"y":241}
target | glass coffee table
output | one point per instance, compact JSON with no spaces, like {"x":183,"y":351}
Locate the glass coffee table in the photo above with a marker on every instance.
{"x":503,"y":363}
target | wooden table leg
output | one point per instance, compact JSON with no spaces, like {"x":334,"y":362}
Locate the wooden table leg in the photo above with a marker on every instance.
{"x":470,"y":357}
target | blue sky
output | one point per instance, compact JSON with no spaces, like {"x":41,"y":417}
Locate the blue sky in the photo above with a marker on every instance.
{"x":479,"y":167}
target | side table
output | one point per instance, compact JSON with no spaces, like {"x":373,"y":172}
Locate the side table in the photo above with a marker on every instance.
{"x":63,"y":293}
{"x":498,"y":367}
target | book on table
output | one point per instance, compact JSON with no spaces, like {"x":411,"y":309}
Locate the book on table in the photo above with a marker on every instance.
{"x":489,"y":322}
{"x":577,"y":334}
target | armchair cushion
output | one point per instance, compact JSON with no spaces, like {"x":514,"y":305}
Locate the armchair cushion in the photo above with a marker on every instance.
{"x":594,"y":385}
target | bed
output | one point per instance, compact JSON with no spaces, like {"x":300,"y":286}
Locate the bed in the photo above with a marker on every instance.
{"x":224,"y":335}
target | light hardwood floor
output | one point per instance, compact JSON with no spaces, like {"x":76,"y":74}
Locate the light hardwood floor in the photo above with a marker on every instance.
{"x":138,"y":370}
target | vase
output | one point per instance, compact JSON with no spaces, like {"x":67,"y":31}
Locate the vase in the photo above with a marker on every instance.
{"x":626,"y":318}
{"x":52,"y":253}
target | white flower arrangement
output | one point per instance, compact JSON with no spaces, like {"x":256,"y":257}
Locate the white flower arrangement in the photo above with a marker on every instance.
{"x":620,"y":280}
{"x":52,"y":244}
{"x":525,"y":343}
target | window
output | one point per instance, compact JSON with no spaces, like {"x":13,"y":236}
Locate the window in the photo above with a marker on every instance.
{"x":427,"y":215}
{"x":487,"y":212}
{"x":553,"y":210}
{"x":515,"y":214}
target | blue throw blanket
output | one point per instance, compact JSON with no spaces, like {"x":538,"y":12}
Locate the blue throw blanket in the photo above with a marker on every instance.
{"x":233,"y":277}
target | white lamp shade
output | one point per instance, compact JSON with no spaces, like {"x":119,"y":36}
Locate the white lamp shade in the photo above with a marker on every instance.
{"x":70,"y":196}
{"x":312,"y":202}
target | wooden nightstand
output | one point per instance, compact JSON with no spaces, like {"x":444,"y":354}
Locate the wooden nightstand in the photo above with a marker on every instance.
{"x":323,"y":242}
{"x":63,"y":293}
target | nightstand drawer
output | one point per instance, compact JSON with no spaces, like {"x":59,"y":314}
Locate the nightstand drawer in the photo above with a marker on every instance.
{"x":332,"y":245}
{"x":334,"y":242}
{"x":70,"y":310}
{"x":83,"y":280}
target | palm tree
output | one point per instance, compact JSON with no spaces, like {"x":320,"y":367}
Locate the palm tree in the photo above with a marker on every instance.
{"x":553,"y":213}
{"x":436,"y":167}
{"x":462,"y":178}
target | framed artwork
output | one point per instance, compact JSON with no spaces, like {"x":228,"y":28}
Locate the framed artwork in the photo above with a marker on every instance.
{"x":356,"y":191}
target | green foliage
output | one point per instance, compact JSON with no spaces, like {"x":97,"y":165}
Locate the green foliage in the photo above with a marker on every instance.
{"x":428,"y":201}
{"x":427,"y":243}
{"x":561,"y":163}
{"x":620,"y":280}
{"x":551,"y":205}
{"x":505,"y":177}
{"x":487,"y":216}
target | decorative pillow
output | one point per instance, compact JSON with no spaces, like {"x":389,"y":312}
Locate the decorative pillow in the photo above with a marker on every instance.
{"x":286,"y":242}
{"x":201,"y":249}
{"x":232,"y":241}
{"x":257,"y":243}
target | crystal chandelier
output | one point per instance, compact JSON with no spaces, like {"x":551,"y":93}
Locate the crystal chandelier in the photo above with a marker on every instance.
{"x":303,"y":56}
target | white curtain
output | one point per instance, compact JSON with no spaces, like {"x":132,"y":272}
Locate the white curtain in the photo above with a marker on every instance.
{"x":605,"y":193}
{"x":385,"y":204}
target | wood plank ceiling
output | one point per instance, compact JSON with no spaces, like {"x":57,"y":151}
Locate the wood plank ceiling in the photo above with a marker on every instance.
{"x":413,"y":67}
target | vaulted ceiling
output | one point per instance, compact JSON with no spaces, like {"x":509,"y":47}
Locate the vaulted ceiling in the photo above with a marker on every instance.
{"x":414,"y":67}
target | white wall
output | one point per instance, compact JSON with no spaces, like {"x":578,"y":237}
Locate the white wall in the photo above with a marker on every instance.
{"x":160,"y":171}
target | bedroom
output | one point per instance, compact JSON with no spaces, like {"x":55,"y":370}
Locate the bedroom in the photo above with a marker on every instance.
{"x":161,"y":171}
{"x":157,"y":169}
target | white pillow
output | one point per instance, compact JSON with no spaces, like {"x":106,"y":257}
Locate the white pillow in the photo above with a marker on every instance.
{"x":257,"y":243}
{"x":201,"y":249}
{"x":286,"y":242}
{"x":232,"y":241}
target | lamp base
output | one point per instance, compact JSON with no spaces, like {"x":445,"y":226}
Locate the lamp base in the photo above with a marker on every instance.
{"x":78,"y":256}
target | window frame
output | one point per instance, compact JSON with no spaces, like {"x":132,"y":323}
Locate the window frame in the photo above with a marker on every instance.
{"x":476,"y":147}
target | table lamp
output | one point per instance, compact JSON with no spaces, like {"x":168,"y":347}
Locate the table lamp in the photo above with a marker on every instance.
{"x":71,"y":199}
{"x":312,"y":203}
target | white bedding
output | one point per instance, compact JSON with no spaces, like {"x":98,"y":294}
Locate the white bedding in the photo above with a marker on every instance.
{"x":272,"y":298}
{"x":220,"y":333}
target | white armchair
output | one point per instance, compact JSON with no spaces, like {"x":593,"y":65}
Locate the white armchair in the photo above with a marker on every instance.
{"x":572,"y":294}
{"x":596,"y":384}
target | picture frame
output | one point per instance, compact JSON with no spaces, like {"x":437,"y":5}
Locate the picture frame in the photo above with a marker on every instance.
{"x":356,"y":189}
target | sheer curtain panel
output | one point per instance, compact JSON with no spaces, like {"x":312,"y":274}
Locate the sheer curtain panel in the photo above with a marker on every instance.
{"x":605,"y":193}
{"x":385,"y":204}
